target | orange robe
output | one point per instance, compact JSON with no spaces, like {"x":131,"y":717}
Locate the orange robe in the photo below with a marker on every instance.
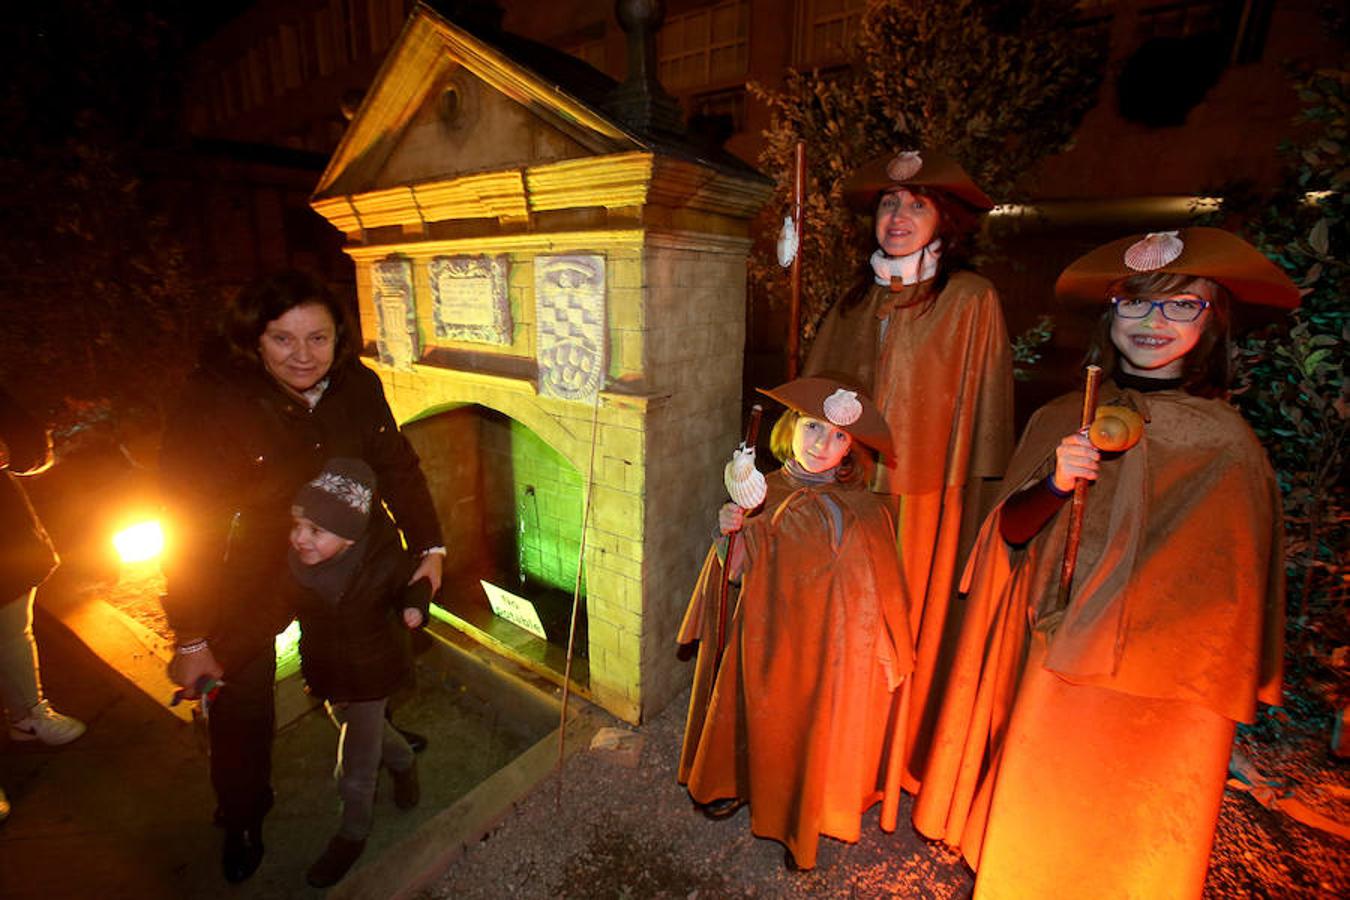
{"x":1089,"y":746}
{"x":801,"y":720}
{"x":943,"y":379}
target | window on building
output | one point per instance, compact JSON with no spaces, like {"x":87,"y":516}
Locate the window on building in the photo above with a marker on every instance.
{"x":830,"y":27}
{"x":705,"y":46}
{"x":231,"y":84}
{"x":357,"y":28}
{"x":386,"y":20}
{"x":586,"y":44}
{"x":1093,"y":9}
{"x":323,"y":41}
{"x":276,"y":65}
{"x":307,"y":49}
{"x":716,"y":116}
{"x":258,"y":84}
{"x":290,"y":56}
{"x":1092,"y":21}
{"x":1180,"y":19}
{"x":1210,"y":35}
{"x":1241,"y":25}
{"x":592,"y":52}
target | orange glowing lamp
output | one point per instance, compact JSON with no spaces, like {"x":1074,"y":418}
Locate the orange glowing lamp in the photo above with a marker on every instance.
{"x":141,"y":542}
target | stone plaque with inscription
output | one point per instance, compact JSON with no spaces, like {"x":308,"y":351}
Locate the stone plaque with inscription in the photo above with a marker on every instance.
{"x":569,"y":296}
{"x":470,"y":300}
{"x":396,"y":312}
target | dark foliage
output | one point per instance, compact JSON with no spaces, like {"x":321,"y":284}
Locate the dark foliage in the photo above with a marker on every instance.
{"x":101,"y":311}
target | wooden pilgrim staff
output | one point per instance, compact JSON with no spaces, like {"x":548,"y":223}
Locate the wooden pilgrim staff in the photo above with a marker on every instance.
{"x":1080,"y":489}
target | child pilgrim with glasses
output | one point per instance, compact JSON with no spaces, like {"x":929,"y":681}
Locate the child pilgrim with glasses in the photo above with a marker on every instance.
{"x":1087,"y":745}
{"x":803,"y":717}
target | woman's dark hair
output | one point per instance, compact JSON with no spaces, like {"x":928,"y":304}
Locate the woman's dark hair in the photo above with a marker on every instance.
{"x":957,"y":226}
{"x":271,"y":297}
{"x":856,"y":466}
{"x":1205,"y":369}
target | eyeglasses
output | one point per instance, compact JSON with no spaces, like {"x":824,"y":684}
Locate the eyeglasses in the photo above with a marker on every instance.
{"x":1172,"y":310}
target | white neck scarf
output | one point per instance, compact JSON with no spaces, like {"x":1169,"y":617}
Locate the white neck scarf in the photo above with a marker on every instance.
{"x":920,"y":265}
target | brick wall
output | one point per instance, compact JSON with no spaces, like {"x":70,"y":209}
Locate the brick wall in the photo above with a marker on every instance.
{"x":666,"y":423}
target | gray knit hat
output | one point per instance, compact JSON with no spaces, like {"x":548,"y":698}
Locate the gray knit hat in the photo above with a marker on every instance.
{"x":338,"y":499}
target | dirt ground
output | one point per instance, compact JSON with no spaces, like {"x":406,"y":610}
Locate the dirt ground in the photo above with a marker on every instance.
{"x":625,"y":832}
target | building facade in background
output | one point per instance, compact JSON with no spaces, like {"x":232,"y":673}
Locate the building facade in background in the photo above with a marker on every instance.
{"x":287,"y":74}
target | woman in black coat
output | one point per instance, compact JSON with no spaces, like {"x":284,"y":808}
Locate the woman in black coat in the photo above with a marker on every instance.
{"x":278,"y":393}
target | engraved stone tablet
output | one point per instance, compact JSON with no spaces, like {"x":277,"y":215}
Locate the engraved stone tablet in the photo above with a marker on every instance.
{"x":569,"y":296}
{"x":469,"y":298}
{"x":396,"y":312}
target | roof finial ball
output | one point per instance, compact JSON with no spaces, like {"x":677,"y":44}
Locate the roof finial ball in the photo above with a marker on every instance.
{"x":640,"y":20}
{"x":635,"y":14}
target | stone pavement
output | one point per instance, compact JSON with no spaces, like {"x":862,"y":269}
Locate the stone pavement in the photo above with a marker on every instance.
{"x":125,"y":810}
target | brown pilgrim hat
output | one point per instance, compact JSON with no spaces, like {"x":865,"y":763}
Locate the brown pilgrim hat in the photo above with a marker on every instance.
{"x":912,"y":168}
{"x":1212,"y":253}
{"x":839,"y":404}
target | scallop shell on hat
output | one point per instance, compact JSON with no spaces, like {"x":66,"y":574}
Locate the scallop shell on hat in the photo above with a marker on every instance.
{"x":905,"y":166}
{"x":1153,"y":251}
{"x":842,"y":407}
{"x":744,"y":482}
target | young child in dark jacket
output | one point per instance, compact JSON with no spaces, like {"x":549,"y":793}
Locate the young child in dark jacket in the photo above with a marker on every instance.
{"x":355,"y":608}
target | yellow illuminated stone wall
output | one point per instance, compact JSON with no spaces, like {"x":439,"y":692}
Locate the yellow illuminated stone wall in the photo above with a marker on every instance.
{"x":665,"y":425}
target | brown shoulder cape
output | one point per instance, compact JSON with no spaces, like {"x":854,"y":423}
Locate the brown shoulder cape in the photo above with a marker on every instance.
{"x":942,"y":375}
{"x":1178,"y":596}
{"x":799,"y":721}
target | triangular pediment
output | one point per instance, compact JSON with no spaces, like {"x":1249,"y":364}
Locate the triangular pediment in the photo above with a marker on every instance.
{"x":446,"y":106}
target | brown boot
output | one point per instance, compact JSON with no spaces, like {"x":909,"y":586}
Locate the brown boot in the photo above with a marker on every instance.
{"x":337,"y":858}
{"x":407,"y":792}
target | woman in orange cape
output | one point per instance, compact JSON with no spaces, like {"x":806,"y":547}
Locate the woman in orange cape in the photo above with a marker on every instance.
{"x":926,"y":337}
{"x":1088,"y":745}
{"x":801,"y":719}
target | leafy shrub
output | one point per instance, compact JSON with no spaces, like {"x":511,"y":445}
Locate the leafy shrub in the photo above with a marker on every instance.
{"x":1291,"y":376}
{"x":997,"y":85}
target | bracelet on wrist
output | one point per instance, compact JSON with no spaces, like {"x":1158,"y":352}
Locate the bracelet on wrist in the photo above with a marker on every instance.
{"x":192,"y":647}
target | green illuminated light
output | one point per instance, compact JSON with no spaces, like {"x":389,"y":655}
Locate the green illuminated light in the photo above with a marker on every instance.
{"x":288,"y":651}
{"x":548,"y":497}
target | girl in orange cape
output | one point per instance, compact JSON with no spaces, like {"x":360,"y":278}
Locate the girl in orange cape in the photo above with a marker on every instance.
{"x":1082,"y":751}
{"x":925,"y":336}
{"x":802,"y":717}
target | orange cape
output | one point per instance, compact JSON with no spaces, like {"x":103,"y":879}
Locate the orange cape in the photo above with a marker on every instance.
{"x":1176,"y":611}
{"x":801,"y":719}
{"x":942,"y":376}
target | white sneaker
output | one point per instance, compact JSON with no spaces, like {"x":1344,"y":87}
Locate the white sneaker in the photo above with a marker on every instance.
{"x":47,"y":725}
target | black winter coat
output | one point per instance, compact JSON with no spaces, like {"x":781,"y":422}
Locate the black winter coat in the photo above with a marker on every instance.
{"x":26,"y":553}
{"x":234,"y":453}
{"x":355,"y":646}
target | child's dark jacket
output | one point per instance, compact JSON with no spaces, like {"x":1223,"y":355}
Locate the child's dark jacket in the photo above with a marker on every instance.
{"x":356,"y":647}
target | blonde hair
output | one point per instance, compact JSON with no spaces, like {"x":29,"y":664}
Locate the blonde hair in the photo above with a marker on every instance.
{"x":855,"y":466}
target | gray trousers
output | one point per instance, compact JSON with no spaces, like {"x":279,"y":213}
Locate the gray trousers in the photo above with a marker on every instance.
{"x":365,"y":739}
{"x":20,"y":689}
